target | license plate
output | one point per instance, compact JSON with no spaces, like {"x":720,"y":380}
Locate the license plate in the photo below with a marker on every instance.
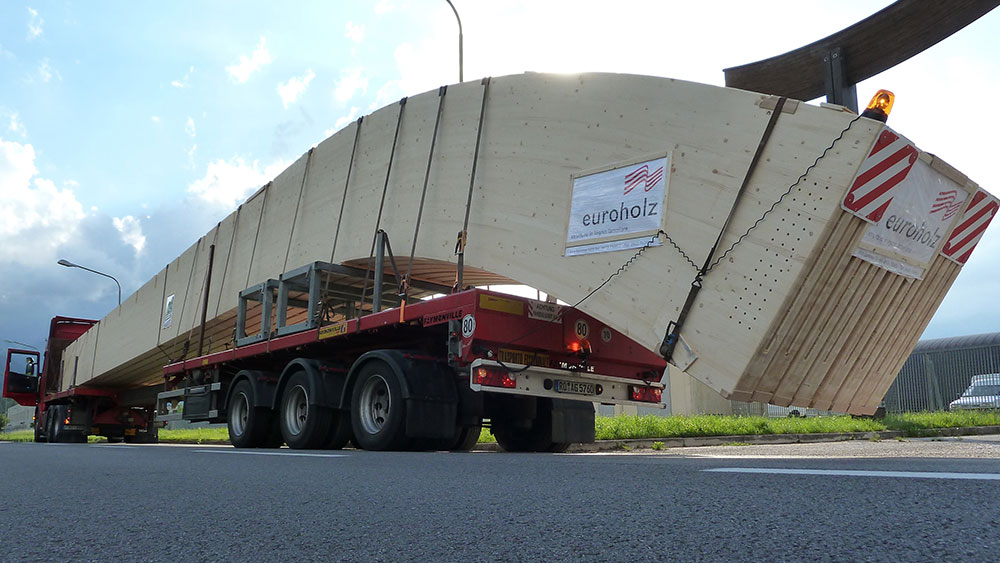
{"x":574,"y":387}
{"x":130,"y":431}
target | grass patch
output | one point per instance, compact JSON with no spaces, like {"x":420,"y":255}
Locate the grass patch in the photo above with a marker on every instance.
{"x":19,"y":436}
{"x":924,"y":423}
{"x":650,"y":426}
{"x":657,"y":427}
{"x":210,"y":435}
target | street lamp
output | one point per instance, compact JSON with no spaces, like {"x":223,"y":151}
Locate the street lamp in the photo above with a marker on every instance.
{"x":69,"y":264}
{"x":9,"y":341}
{"x":460,"y":79}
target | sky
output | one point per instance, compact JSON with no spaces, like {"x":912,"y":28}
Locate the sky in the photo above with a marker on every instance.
{"x":129,"y":129}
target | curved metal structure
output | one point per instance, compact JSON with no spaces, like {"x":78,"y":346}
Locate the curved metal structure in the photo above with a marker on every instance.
{"x":879,"y":42}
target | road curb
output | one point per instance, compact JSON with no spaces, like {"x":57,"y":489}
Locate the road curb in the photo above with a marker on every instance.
{"x":744,"y":439}
{"x":759,"y":439}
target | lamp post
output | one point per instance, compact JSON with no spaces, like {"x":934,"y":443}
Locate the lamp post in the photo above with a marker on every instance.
{"x":69,"y":264}
{"x":9,"y":341}
{"x":460,"y":77}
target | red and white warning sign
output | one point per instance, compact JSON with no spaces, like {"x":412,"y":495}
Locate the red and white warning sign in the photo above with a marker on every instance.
{"x":888,"y":163}
{"x":971,"y":227}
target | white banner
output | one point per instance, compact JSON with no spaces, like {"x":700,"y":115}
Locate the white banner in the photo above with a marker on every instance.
{"x":617,"y":203}
{"x":915,"y":224}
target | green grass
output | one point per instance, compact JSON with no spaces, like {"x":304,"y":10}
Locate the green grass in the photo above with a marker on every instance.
{"x":647,"y":427}
{"x":923,"y":423}
{"x":656,"y":427}
{"x":212,"y":435}
{"x":18,"y":436}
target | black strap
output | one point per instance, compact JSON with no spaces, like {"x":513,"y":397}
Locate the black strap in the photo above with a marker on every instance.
{"x":674,"y":327}
{"x":464,"y":234}
{"x":423,"y":193}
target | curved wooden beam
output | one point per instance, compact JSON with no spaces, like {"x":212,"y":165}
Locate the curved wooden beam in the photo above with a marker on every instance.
{"x":877,"y":43}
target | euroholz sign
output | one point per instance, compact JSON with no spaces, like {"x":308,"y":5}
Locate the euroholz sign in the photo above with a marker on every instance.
{"x":618,"y":207}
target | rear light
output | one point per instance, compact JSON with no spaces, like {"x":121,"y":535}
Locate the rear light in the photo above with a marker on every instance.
{"x":646,"y":394}
{"x":494,"y":377}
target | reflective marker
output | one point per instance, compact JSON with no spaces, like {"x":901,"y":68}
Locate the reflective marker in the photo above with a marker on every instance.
{"x":859,"y":473}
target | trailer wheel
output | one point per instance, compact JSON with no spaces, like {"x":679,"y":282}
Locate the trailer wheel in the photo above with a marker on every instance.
{"x":467,"y":438}
{"x":378,"y":413}
{"x":303,"y":425}
{"x":249,"y":426}
{"x":39,"y":432}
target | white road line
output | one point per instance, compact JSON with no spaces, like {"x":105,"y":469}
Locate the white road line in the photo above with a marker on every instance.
{"x":859,"y":473}
{"x":289,"y":454}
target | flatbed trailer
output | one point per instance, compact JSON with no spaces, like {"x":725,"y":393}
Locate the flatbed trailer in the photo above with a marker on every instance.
{"x":424,"y":375}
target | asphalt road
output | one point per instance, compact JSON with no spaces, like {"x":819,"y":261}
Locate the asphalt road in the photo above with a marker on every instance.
{"x":197,"y":503}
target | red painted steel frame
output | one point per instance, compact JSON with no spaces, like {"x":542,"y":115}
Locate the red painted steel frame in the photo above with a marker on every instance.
{"x":502,"y":322}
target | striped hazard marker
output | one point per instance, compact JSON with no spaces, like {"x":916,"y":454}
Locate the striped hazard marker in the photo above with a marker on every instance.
{"x":885,"y":167}
{"x":971,"y":227}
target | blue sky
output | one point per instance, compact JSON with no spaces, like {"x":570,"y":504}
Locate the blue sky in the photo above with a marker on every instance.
{"x":128,"y":129}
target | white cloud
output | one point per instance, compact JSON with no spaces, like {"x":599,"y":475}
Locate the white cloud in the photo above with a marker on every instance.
{"x":291,"y":90}
{"x":189,"y":127}
{"x":389,"y":91}
{"x":46,"y":72}
{"x":16,"y":126}
{"x":5,"y":53}
{"x":131,"y":231}
{"x":353,"y":32}
{"x":228,"y":183}
{"x":350,"y":83}
{"x":241,"y":71}
{"x":384,"y":7}
{"x":34,"y":24}
{"x":183,"y":82}
{"x":155,"y":119}
{"x":343,"y":121}
{"x":35,"y":217}
{"x":191,"y":153}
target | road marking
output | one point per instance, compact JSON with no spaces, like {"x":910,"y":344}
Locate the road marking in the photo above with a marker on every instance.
{"x":289,"y":454}
{"x":859,"y":473}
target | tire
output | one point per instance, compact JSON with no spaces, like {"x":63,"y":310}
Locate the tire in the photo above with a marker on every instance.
{"x":467,"y":438}
{"x":115,"y":439}
{"x":340,"y":432}
{"x":39,"y":423}
{"x":303,"y":425}
{"x":378,"y":412}
{"x":249,"y":426}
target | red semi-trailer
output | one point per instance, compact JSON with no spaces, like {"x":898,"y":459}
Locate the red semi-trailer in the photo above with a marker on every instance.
{"x":427,"y":374}
{"x":73,"y":414}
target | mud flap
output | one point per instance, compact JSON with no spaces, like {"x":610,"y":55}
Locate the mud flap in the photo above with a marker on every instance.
{"x":572,"y":422}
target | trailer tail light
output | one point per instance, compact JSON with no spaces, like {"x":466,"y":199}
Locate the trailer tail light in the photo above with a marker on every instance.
{"x":494,"y":377}
{"x":646,"y":394}
{"x":880,"y":106}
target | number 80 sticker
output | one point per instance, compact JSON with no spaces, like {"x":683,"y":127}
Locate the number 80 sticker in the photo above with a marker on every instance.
{"x":468,"y":326}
